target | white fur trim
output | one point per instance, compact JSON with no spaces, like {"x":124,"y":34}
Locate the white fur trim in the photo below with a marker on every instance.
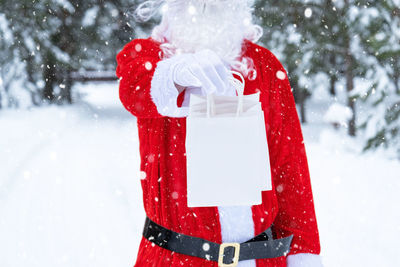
{"x":163,"y":91}
{"x":304,"y":260}
{"x":237,"y":226}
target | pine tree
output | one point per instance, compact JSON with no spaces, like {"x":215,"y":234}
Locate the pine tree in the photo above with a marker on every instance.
{"x":54,"y":38}
{"x":318,"y":38}
{"x":381,"y":118}
{"x":280,"y":21}
{"x":12,"y":74}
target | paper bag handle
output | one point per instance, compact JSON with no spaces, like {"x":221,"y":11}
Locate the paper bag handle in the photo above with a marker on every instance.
{"x":239,"y":86}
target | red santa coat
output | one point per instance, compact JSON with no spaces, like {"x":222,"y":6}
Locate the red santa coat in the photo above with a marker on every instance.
{"x":163,"y":160}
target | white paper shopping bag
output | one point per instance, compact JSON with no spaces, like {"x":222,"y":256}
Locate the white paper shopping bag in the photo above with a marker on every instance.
{"x":227,"y":151}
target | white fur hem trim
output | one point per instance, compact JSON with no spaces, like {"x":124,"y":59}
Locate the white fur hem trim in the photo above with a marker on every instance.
{"x":304,"y":260}
{"x":163,"y":91}
{"x":237,"y":226}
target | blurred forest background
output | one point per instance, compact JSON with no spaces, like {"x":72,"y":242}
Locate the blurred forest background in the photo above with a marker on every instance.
{"x":325,"y":45}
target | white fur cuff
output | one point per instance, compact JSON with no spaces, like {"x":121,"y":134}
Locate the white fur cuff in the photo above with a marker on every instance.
{"x":237,"y":226}
{"x":163,"y":91}
{"x":304,"y":260}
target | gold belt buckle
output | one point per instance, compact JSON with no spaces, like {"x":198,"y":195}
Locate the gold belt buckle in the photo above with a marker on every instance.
{"x":235,"y":257}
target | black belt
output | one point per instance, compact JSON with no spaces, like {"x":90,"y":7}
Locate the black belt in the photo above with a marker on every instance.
{"x":262,"y":246}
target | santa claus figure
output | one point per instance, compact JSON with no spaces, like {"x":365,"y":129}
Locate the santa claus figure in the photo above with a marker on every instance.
{"x":193,"y":51}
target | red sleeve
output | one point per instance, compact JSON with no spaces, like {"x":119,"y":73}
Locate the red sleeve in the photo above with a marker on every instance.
{"x":291,"y":178}
{"x":136,"y":65}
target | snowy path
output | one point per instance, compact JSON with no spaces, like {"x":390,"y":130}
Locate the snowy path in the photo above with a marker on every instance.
{"x":70,"y":193}
{"x":69,"y":199}
{"x":357,"y":201}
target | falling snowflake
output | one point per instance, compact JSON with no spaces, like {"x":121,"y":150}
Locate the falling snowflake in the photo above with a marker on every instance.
{"x":143,"y":175}
{"x":148,"y":65}
{"x":279,"y":188}
{"x":280,"y":75}
{"x":206,"y":247}
{"x":308,"y":12}
{"x":164,"y":9}
{"x":151,"y":158}
{"x":192,"y":10}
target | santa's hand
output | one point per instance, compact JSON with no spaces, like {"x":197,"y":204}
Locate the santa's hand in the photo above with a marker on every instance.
{"x":203,"y":69}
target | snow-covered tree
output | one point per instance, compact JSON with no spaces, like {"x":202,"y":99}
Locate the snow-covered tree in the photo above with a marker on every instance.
{"x":381,"y":95}
{"x":321,"y":40}
{"x":281,"y":21}
{"x":56,"y":37}
{"x":12,"y":74}
{"x":354,"y":43}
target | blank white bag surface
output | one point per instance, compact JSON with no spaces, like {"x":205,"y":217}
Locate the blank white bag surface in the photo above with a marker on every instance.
{"x":227,"y":156}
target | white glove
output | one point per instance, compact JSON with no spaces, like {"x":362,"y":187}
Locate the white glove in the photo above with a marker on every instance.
{"x":203,"y":70}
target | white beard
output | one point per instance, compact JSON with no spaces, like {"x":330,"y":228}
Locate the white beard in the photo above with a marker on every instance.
{"x":221,"y":26}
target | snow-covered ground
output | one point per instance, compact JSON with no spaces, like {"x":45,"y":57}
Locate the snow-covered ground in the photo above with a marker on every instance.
{"x":70,"y":194}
